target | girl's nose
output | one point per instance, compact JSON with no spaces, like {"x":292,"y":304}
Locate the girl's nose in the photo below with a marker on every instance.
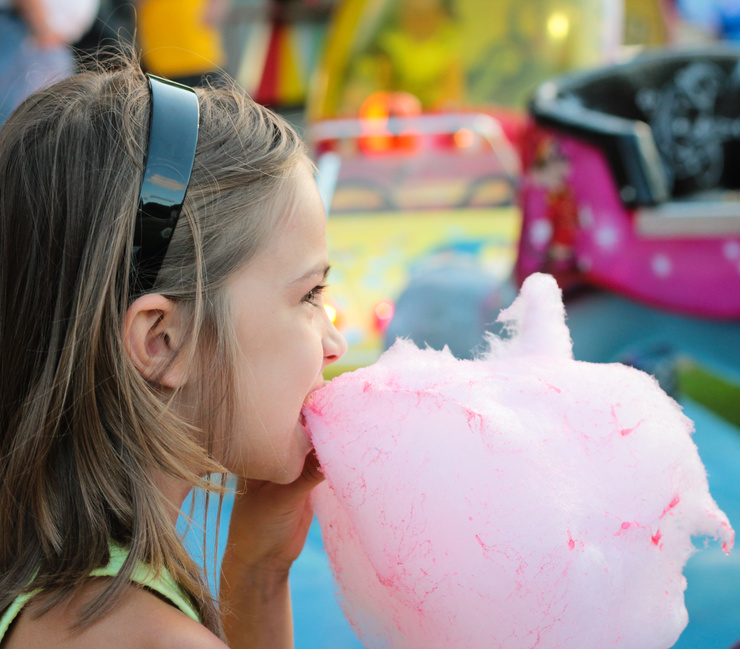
{"x":334,"y":344}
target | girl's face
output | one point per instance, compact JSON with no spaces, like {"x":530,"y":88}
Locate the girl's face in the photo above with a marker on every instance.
{"x":284,"y":341}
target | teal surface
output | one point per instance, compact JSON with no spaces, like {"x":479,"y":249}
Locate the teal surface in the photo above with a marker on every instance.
{"x":713,"y":590}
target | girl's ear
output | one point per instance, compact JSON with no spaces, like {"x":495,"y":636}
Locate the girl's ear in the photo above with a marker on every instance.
{"x":152,"y":336}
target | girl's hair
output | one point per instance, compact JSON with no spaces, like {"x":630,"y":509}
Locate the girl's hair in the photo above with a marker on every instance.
{"x":82,"y":434}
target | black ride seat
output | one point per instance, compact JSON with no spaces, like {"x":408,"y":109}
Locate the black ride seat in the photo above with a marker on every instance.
{"x":668,"y":123}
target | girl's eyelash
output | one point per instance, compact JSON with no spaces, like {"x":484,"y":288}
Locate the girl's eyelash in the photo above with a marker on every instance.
{"x":314,"y":293}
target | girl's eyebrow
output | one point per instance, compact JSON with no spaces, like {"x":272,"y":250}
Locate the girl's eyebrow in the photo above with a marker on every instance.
{"x":320,"y":269}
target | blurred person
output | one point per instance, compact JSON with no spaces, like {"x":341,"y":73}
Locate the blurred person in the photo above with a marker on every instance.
{"x":35,"y":36}
{"x":181,"y":39}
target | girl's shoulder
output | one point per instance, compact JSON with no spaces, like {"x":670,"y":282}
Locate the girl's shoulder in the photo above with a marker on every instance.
{"x":140,"y":620}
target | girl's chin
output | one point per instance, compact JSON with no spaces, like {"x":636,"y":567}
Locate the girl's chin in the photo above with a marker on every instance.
{"x":296,"y":460}
{"x":282,"y":469}
{"x":292,"y":471}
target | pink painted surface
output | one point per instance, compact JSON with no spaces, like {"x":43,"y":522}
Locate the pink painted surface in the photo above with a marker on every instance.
{"x":499,"y":502}
{"x":696,"y":275}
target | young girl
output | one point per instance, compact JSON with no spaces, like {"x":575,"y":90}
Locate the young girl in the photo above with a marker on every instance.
{"x":149,"y":338}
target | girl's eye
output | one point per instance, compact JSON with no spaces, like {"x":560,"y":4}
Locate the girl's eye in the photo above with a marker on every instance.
{"x":314,"y":294}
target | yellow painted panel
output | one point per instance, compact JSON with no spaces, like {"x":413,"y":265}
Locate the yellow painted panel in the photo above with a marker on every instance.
{"x":374,"y":255}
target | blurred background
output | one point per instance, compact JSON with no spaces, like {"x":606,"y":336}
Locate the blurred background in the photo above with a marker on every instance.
{"x":464,"y":144}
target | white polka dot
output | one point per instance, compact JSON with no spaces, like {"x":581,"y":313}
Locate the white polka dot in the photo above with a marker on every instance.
{"x":607,"y":237}
{"x":540,"y":233}
{"x":731,"y":250}
{"x":662,"y":266}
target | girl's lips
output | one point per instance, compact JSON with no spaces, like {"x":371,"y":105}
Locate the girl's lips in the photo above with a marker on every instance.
{"x":315,"y":388}
{"x":304,"y":426}
{"x":306,"y":402}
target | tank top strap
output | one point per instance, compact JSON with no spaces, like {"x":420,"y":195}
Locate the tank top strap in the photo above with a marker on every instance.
{"x":161,"y":583}
{"x":12,"y":612}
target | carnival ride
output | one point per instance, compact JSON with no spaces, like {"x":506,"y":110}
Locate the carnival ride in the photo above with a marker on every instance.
{"x":472,"y":54}
{"x":440,"y":196}
{"x":630,"y":187}
{"x":392,"y":74}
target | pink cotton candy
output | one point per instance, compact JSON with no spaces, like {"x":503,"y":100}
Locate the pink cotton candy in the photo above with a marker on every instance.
{"x":521,"y":500}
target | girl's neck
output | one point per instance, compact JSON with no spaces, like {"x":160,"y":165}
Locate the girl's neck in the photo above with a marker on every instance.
{"x":174,"y":491}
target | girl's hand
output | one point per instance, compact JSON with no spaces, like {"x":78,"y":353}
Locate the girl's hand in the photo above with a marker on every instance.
{"x":268,"y":529}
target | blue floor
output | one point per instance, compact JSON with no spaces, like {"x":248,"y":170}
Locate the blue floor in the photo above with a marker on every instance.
{"x":318,"y":619}
{"x":712,"y":596}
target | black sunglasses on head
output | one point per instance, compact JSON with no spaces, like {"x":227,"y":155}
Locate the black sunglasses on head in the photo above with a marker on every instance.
{"x":173,"y":136}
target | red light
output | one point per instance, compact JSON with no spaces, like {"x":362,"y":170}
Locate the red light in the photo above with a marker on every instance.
{"x":383,"y":313}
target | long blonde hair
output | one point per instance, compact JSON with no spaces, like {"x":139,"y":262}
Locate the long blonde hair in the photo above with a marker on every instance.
{"x":81,"y":432}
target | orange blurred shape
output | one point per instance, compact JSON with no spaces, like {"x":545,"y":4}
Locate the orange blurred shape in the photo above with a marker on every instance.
{"x":374,"y":114}
{"x":332,"y":313}
{"x":464,"y":138}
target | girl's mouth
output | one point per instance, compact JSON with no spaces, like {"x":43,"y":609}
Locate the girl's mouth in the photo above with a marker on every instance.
{"x":304,"y":426}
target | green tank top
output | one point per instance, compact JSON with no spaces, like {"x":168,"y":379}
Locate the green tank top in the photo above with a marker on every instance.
{"x":162,"y":584}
